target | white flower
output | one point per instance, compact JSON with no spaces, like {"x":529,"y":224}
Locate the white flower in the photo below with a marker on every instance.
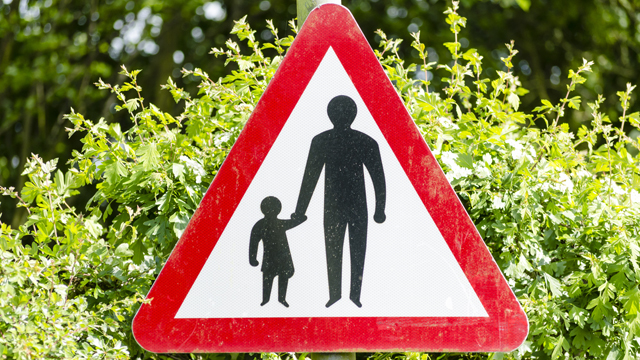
{"x":457,"y":171}
{"x":635,"y":196}
{"x":482,"y":171}
{"x":498,"y":203}
{"x":195,"y":168}
{"x":516,"y":154}
{"x":449,"y":176}
{"x":221,"y":139}
{"x":447,"y":123}
{"x":582,"y":173}
{"x":487,"y":158}
{"x":565,"y":183}
{"x":514,"y":143}
{"x":449,"y":158}
{"x":517,"y":149}
{"x":616,"y":188}
{"x":545,"y":186}
{"x":461,"y":172}
{"x":564,"y":137}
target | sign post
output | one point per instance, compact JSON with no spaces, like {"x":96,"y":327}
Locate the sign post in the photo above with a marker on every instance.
{"x":330,"y":227}
{"x":305,"y":7}
{"x":333,"y":356}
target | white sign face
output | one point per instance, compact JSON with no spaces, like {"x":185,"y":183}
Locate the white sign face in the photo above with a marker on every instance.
{"x":409,"y":270}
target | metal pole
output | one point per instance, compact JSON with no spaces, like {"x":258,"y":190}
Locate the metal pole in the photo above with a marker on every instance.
{"x":305,"y":7}
{"x":333,"y":356}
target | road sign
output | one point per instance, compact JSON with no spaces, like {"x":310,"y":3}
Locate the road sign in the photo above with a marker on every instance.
{"x":330,"y":227}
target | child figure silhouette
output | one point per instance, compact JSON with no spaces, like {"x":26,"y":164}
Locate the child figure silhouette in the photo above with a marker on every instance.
{"x":276,"y":260}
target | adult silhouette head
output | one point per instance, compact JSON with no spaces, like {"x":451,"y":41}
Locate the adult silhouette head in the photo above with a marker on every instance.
{"x":342,"y":110}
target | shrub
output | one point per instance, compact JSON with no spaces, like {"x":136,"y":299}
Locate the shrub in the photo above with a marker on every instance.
{"x":559,"y":211}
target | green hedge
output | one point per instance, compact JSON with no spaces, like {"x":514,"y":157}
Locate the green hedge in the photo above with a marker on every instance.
{"x":559,"y":211}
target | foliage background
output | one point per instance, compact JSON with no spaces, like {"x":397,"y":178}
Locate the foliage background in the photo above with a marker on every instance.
{"x":557,"y":202}
{"x":52,"y":51}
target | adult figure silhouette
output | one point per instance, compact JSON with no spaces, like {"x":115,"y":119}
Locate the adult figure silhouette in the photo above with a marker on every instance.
{"x":343,"y":153}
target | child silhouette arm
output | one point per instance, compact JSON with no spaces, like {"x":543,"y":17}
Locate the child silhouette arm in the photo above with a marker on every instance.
{"x":253,"y":244}
{"x":295,"y":221}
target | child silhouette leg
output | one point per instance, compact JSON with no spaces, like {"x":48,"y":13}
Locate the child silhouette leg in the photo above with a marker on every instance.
{"x":267,"y":283}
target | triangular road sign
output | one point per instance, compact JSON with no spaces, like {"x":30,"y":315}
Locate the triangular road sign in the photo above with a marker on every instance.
{"x":428,"y":283}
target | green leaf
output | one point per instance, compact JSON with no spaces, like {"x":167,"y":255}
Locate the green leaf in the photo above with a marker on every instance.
{"x":580,"y":338}
{"x":514,"y":100}
{"x":599,"y":308}
{"x":554,"y":285}
{"x":613,"y":354}
{"x":574,"y":102}
{"x":523,"y":264}
{"x":465,"y":160}
{"x":123,"y":251}
{"x":178,"y":170}
{"x":546,"y":106}
{"x":245,"y":65}
{"x":149,"y":156}
{"x":132,"y":104}
{"x":560,"y":345}
{"x":138,"y":251}
{"x":597,"y":346}
{"x":634,"y":326}
{"x":180,"y":223}
{"x":453,"y":47}
{"x":164,"y":202}
{"x":114,"y":172}
{"x":579,"y":315}
{"x":631,"y":301}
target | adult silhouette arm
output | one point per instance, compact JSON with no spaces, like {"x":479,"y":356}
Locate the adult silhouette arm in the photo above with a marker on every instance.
{"x":312,"y":172}
{"x":253,"y":244}
{"x":373,"y":163}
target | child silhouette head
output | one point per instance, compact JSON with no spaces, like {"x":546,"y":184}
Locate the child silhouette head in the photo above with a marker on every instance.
{"x":271,"y":206}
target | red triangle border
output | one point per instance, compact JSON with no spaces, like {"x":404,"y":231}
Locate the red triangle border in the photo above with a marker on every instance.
{"x":155,"y":327}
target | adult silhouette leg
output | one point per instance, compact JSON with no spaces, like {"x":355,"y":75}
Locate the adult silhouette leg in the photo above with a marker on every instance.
{"x":334,"y":231}
{"x":357,"y":248}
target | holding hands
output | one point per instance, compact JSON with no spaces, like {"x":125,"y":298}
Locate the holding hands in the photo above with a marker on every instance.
{"x":299,"y":217}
